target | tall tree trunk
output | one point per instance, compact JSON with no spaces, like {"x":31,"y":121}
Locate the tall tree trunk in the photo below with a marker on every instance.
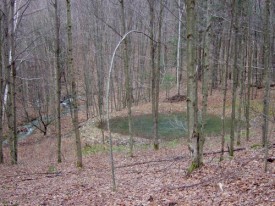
{"x":157,"y":73}
{"x":266,"y":77}
{"x":225,"y":84}
{"x":11,"y":90}
{"x":6,"y":58}
{"x":88,"y":90}
{"x":72,"y":72}
{"x":214,"y":68}
{"x":100,"y":69}
{"x":249,"y":71}
{"x":153,"y":74}
{"x":178,"y":46}
{"x":107,"y":108}
{"x":58,"y":79}
{"x":128,"y":81}
{"x":1,"y":94}
{"x":206,"y":73}
{"x":241,"y":99}
{"x":192,"y":99}
{"x":235,"y":80}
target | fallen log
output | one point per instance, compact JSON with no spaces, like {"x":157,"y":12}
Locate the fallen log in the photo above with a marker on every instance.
{"x":218,"y":152}
{"x":180,"y":158}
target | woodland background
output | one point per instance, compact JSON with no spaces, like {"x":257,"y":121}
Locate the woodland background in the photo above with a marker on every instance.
{"x":199,"y":56}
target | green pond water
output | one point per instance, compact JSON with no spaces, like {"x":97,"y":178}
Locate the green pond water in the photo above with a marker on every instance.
{"x":171,"y":126}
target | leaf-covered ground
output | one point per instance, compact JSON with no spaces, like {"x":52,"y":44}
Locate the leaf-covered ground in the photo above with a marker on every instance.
{"x":149,"y":178}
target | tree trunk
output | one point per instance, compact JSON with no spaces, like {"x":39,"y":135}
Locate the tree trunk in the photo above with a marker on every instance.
{"x":157,"y":73}
{"x":225,"y":84}
{"x":100,"y":69}
{"x":6,"y":57}
{"x":128,"y":81}
{"x":241,"y":99}
{"x":266,"y":77}
{"x":206,"y":74}
{"x":249,"y":72}
{"x":1,"y":95}
{"x":58,"y":79}
{"x":192,"y":100}
{"x":11,"y":90}
{"x":107,"y":109}
{"x":235,"y":80}
{"x":88,"y":90}
{"x":153,"y":74}
{"x":178,"y":47}
{"x":72,"y":72}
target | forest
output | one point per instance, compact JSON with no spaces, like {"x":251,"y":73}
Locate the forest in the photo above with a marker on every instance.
{"x":137,"y":102}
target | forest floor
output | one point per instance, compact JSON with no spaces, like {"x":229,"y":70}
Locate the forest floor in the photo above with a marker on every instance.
{"x":149,"y":178}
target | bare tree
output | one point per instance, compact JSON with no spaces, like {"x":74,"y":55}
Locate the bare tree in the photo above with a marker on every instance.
{"x":154,"y":71}
{"x":235,"y":78}
{"x":73,"y":88}
{"x":225,"y":86}
{"x":192,"y":92}
{"x":249,"y":71}
{"x":128,"y":81}
{"x":107,"y":109}
{"x":99,"y":64}
{"x":206,"y":72}
{"x":179,"y":45}
{"x":1,"y":93}
{"x":267,"y":75}
{"x":57,"y":79}
{"x":11,"y":76}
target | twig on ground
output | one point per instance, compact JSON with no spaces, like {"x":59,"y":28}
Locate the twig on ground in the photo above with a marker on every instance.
{"x":151,"y":161}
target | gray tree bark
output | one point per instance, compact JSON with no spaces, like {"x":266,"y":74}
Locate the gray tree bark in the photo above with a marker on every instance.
{"x":225,"y":87}
{"x":157,"y":81}
{"x":72,"y":72}
{"x":192,"y":99}
{"x":235,"y":80}
{"x":178,"y":46}
{"x":11,"y":107}
{"x":1,"y":94}
{"x":249,"y":71}
{"x":241,"y":91}
{"x":57,"y":79}
{"x":153,"y":74}
{"x":128,"y":81}
{"x":100,"y":68}
{"x":6,"y":55}
{"x":206,"y":73}
{"x":266,"y":77}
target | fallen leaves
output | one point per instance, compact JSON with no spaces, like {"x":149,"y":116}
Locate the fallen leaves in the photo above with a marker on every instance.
{"x":150,"y":178}
{"x":237,"y":181}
